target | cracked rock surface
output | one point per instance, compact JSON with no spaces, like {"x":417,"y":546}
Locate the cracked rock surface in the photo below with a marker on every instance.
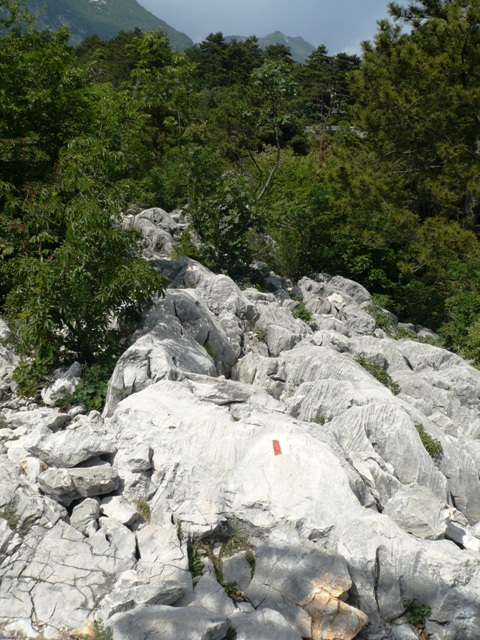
{"x":249,"y":475}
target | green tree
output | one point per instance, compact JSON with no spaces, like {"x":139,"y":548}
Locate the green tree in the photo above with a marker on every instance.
{"x":222,"y":220}
{"x":71,"y":279}
{"x":406,"y":162}
{"x":301,"y":218}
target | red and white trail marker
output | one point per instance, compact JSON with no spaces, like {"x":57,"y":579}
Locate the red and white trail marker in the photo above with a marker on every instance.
{"x":280,"y":447}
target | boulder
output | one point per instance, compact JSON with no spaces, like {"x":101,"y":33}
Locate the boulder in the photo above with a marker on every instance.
{"x":118,"y":507}
{"x":266,"y":624}
{"x":64,"y":383}
{"x":79,"y":442}
{"x":210,"y":595}
{"x":85,"y":516}
{"x":308,"y":588}
{"x":67,"y":485}
{"x":158,"y":622}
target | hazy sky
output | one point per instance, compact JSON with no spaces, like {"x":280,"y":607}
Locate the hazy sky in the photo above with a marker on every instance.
{"x":339,"y":24}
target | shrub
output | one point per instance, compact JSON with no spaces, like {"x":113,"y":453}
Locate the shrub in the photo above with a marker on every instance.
{"x":302,"y":313}
{"x":379,"y":373}
{"x":417,"y":614}
{"x":432,"y":447}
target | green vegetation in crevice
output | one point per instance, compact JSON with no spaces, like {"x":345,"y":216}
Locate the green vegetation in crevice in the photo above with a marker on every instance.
{"x":216,"y":548}
{"x":210,"y":350}
{"x":417,"y":613}
{"x":11,"y":516}
{"x":261,"y":334}
{"x":432,"y":446}
{"x":144,"y":509}
{"x":91,"y":391}
{"x":377,"y":308}
{"x":322,"y":420}
{"x":15,"y":521}
{"x":101,"y":631}
{"x":302,"y":313}
{"x":379,"y":373}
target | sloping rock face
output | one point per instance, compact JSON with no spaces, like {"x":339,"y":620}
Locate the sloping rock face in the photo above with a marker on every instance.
{"x":337,"y":465}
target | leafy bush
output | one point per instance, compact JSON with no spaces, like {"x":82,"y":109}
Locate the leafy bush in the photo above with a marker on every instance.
{"x":91,"y":391}
{"x":221,"y":221}
{"x":379,"y":373}
{"x":302,"y":313}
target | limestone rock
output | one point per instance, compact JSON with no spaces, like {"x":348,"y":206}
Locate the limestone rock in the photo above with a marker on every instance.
{"x":68,"y":448}
{"x":265,"y":624}
{"x":118,"y":507}
{"x":132,"y":590}
{"x":308,"y":588}
{"x":156,"y":227}
{"x":418,"y":512}
{"x":63,"y":575}
{"x":237,"y":569}
{"x":162,"y":350}
{"x":64,"y":383}
{"x":211,"y":595}
{"x":291,"y":445}
{"x":27,"y":420}
{"x":157,"y":622}
{"x":67,"y":485}
{"x":85,"y":516}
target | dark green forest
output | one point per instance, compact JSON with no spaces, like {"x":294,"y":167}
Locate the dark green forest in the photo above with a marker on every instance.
{"x":362,"y":166}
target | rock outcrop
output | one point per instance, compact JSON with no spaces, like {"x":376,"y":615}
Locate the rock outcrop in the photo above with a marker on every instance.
{"x":253,"y":473}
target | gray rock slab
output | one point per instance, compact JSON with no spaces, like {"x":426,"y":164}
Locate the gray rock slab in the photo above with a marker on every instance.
{"x":57,"y":576}
{"x":118,"y":507}
{"x":133,"y":589}
{"x":70,"y":447}
{"x":140,"y":459}
{"x":288,"y":579}
{"x":210,"y":595}
{"x":29,"y":419}
{"x":157,"y":622}
{"x":85,"y":516}
{"x":67,"y":485}
{"x":418,"y":512}
{"x":266,"y":624}
{"x":237,"y":569}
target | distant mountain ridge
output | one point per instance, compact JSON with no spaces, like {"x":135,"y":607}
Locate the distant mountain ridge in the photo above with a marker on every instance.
{"x":299,"y":48}
{"x":104,"y":18}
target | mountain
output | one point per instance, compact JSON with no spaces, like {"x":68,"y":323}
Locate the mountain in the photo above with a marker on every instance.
{"x":104,"y":18}
{"x":299,"y":48}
